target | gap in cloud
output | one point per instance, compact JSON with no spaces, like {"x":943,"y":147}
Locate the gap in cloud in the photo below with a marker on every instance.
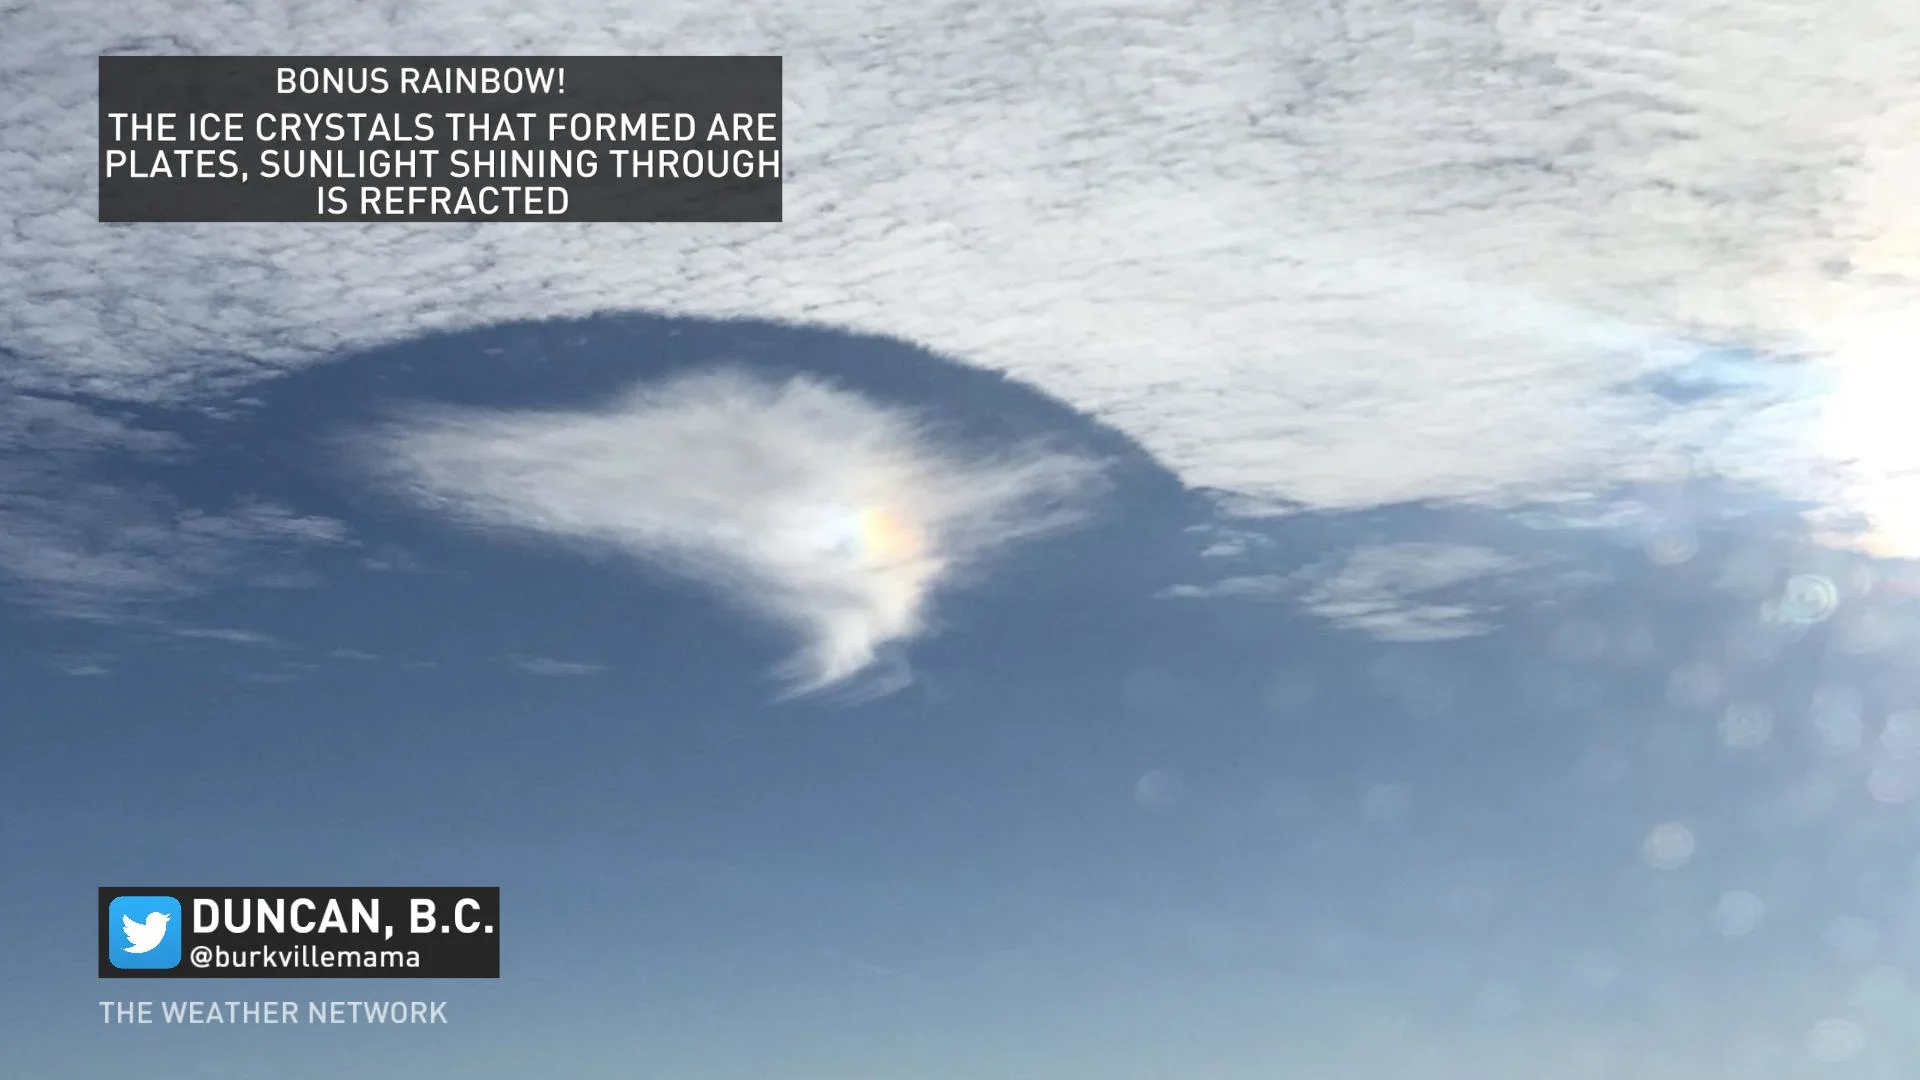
{"x":849,"y":491}
{"x":835,"y":488}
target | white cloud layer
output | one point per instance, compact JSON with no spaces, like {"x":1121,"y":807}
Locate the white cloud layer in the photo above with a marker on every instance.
{"x":1340,"y":255}
{"x":803,"y":503}
{"x":1336,"y":256}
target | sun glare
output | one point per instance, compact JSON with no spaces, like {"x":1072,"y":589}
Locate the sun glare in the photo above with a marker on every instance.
{"x":1869,"y":427}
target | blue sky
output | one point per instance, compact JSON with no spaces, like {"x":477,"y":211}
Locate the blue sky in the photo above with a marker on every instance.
{"x":1106,"y":815}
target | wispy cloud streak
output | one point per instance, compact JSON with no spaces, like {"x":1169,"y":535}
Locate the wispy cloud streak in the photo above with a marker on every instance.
{"x":805,"y":504}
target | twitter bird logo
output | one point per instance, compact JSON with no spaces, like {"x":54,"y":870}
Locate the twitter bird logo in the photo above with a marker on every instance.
{"x":145,"y":931}
{"x":144,"y":936}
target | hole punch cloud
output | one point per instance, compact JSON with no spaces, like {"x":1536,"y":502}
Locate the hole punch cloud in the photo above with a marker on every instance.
{"x":810,"y":506}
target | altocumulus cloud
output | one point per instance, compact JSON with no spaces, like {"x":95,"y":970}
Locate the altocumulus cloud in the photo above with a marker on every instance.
{"x":1381,"y":274}
{"x":812,"y":506}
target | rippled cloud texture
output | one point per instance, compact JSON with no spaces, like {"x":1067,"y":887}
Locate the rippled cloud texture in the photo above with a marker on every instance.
{"x":814,"y":507}
{"x":1336,"y":256}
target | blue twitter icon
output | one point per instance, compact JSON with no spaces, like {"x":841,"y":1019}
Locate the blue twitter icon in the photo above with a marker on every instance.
{"x":144,"y":932}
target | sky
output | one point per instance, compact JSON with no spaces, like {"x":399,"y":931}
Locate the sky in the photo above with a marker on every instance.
{"x":1212,"y":542}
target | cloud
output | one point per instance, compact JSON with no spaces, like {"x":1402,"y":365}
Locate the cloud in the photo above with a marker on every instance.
{"x":1302,"y":260}
{"x":392,"y":559}
{"x":1239,"y":586}
{"x":559,"y":669}
{"x":1408,"y":592}
{"x":76,"y":539}
{"x":1393,"y":592}
{"x":80,"y":665}
{"x":1301,"y":263}
{"x":1225,"y":541}
{"x":807,"y":505}
{"x":228,"y":635}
